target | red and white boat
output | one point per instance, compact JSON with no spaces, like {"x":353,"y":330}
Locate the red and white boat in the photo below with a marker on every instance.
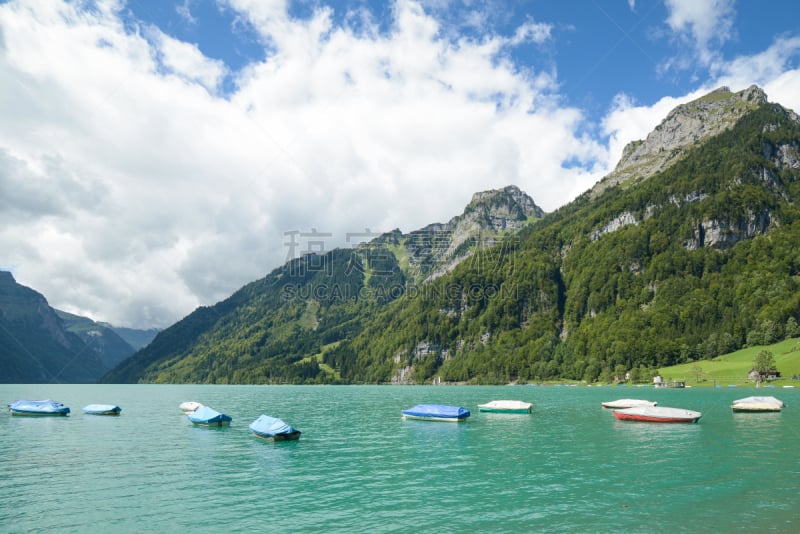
{"x":627,"y":403}
{"x":658,"y":414}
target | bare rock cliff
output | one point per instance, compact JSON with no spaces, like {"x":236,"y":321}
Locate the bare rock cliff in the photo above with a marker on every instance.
{"x":684,"y":126}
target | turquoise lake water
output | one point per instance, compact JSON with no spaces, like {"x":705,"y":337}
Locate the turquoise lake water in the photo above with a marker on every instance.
{"x":570,"y":466}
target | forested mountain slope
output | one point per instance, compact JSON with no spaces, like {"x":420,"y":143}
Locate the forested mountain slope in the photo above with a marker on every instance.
{"x":670,"y":259}
{"x":698,"y":259}
{"x":277,"y":329}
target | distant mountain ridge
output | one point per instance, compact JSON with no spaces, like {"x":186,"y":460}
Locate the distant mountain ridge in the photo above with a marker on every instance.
{"x":39,"y":344}
{"x":282,"y":324}
{"x":35,"y":346}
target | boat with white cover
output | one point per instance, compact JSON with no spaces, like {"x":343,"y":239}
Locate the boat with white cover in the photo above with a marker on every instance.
{"x":757,"y":404}
{"x":658,"y":414}
{"x":627,"y":403}
{"x":189,"y":406}
{"x":506,"y":406}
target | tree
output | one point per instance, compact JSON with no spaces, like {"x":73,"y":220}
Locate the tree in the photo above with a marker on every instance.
{"x":698,"y":372}
{"x":764,"y":361}
{"x":762,"y":364}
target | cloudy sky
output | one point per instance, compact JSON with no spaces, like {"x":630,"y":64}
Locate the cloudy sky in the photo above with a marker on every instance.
{"x":157,"y":155}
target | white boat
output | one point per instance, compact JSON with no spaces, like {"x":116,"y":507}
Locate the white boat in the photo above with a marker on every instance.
{"x":189,"y":406}
{"x":506,"y":406}
{"x":627,"y":403}
{"x":757,"y":404}
{"x":658,"y":414}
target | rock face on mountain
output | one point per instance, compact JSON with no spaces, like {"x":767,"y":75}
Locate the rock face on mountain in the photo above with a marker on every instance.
{"x":431,"y":251}
{"x":684,"y":126}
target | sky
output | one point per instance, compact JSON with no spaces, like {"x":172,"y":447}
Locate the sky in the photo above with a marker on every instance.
{"x":157,"y":155}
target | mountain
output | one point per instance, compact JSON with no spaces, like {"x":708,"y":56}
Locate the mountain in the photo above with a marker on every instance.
{"x":135,"y":337}
{"x":277,"y":329}
{"x":689,"y":249}
{"x":682,"y":129}
{"x":35,"y":345}
{"x":431,"y":251}
{"x":101,"y":338}
{"x":696,"y":259}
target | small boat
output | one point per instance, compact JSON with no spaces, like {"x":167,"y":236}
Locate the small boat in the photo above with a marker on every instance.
{"x":102,"y":409}
{"x":38,"y":408}
{"x":273,"y":429}
{"x":207,"y":416}
{"x":757,"y":404}
{"x":506,"y":406}
{"x":436,"y":412}
{"x":627,"y":403}
{"x":658,"y":414}
{"x":189,"y":406}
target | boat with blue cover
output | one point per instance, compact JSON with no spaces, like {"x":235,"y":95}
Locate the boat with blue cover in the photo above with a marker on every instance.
{"x":102,"y":409}
{"x":436,"y":412}
{"x":274,"y":429}
{"x":38,"y":408}
{"x":206,"y":416}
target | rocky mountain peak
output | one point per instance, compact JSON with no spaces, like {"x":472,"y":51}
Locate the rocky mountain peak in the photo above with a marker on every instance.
{"x":435,"y":249}
{"x":684,"y":126}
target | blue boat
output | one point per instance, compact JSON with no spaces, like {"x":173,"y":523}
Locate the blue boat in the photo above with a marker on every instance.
{"x":436,"y":412}
{"x":273,"y":429}
{"x":38,"y":408}
{"x":102,"y":409}
{"x":206,"y":416}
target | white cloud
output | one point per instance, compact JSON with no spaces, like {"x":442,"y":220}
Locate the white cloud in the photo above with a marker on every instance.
{"x":704,"y":25}
{"x":770,"y":69}
{"x":185,"y":11}
{"x":163,"y":195}
{"x":187,"y":61}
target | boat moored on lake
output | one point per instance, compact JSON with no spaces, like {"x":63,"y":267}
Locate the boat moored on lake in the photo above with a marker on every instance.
{"x":658,"y":414}
{"x":506,"y":406}
{"x":757,"y":404}
{"x":627,"y":403}
{"x":273,"y":429}
{"x":207,"y":416}
{"x":437,"y":412}
{"x":189,"y":406}
{"x":102,"y":409}
{"x":38,"y":408}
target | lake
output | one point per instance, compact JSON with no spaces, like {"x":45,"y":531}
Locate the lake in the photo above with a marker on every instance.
{"x":570,"y":466}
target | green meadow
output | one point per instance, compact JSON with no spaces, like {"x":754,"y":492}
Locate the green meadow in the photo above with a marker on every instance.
{"x":732,"y":369}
